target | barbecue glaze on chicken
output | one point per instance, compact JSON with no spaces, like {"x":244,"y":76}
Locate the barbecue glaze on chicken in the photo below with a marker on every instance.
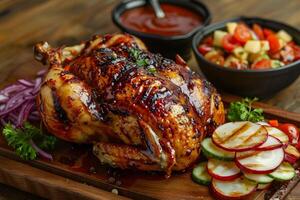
{"x":139,"y":109}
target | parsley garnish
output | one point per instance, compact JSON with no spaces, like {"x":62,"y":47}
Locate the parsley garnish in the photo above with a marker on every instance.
{"x":20,"y":139}
{"x":140,"y":60}
{"x":243,"y":111}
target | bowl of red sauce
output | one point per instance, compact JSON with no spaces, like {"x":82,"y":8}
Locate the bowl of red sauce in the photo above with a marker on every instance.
{"x":249,"y":56}
{"x":170,"y":35}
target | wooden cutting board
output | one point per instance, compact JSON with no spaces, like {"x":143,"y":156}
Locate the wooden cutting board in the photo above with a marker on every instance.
{"x":77,"y":164}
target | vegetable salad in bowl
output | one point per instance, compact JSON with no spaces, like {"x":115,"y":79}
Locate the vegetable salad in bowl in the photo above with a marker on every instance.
{"x":249,"y":47}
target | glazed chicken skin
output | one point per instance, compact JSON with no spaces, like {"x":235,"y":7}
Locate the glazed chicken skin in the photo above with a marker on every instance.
{"x":138,"y":109}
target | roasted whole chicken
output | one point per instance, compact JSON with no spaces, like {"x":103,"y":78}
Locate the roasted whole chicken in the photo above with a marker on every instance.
{"x":138,"y":109}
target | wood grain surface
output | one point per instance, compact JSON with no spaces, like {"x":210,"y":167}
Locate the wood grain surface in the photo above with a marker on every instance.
{"x":25,"y":22}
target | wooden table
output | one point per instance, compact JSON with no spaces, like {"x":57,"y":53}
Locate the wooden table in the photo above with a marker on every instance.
{"x":23,"y":23}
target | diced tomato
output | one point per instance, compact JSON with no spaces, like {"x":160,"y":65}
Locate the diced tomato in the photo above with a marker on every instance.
{"x":227,"y":43}
{"x":204,"y":48}
{"x":292,"y":132}
{"x":296,"y":49}
{"x":208,"y":40}
{"x":242,"y":33}
{"x":296,"y":52}
{"x":268,"y":32}
{"x":273,"y":123}
{"x":274,"y":43}
{"x":262,"y":64}
{"x":258,"y":31}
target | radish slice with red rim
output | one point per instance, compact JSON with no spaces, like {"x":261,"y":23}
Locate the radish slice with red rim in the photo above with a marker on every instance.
{"x":239,"y":136}
{"x":270,"y":143}
{"x":280,"y":135}
{"x":260,"y":162}
{"x":236,"y":189}
{"x":223,"y":170}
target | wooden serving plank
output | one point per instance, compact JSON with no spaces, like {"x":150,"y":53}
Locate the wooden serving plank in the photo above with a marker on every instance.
{"x":45,"y":184}
{"x":74,"y":162}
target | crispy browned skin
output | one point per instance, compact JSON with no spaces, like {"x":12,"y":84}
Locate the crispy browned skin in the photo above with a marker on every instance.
{"x":150,"y":115}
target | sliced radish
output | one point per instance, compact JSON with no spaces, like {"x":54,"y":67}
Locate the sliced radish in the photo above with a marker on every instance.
{"x":275,"y":132}
{"x":260,"y":162}
{"x":239,"y":136}
{"x":236,"y":189}
{"x":271,"y":143}
{"x":223,"y":170}
{"x":259,"y":178}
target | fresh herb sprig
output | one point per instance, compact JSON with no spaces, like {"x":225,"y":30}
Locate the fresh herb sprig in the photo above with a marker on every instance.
{"x":243,"y":111}
{"x":21,"y":140}
{"x":140,"y":60}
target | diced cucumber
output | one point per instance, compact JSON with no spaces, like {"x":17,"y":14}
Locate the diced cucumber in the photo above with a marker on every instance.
{"x":200,"y":175}
{"x":240,"y":53}
{"x":218,"y":37}
{"x":265,"y":46}
{"x":259,"y":178}
{"x":231,"y":27}
{"x":276,"y":64}
{"x":284,"y":172}
{"x":252,"y":46}
{"x":282,"y":43}
{"x":212,"y":151}
{"x":282,"y":34}
{"x":256,"y":57}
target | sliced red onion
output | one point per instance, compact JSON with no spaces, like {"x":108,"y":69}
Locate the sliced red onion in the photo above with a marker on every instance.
{"x":17,"y":101}
{"x":3,"y":98}
{"x":40,"y":151}
{"x":37,"y":85}
{"x":26,"y":83}
{"x":24,"y":113}
{"x":42,"y":72}
{"x":12,"y":88}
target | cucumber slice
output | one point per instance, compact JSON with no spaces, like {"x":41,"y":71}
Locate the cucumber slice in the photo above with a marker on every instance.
{"x":200,"y":175}
{"x":263,"y":186}
{"x":210,"y":150}
{"x":284,"y":172}
{"x":259,"y":178}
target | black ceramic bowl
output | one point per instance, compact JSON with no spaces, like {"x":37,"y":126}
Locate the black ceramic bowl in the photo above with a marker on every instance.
{"x":168,"y":46}
{"x":250,"y":83}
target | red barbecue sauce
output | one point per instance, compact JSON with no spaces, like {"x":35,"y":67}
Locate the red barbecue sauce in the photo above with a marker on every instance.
{"x":178,"y":20}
